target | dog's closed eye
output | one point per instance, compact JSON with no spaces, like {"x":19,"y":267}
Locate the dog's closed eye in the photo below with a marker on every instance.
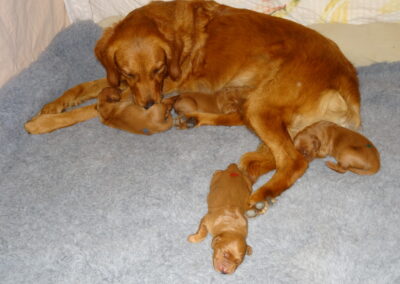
{"x":158,"y":70}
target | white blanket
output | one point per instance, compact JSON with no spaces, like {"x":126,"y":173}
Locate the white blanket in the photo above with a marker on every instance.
{"x":303,"y":11}
{"x":26,"y":28}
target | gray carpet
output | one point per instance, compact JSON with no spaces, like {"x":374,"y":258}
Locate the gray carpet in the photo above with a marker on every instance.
{"x":91,"y":204}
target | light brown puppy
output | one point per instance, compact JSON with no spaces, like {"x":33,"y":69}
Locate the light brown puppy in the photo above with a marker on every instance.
{"x":225,"y":220}
{"x":268,"y":63}
{"x":352,"y":151}
{"x":192,"y":104}
{"x":114,"y":108}
{"x":130,"y":117}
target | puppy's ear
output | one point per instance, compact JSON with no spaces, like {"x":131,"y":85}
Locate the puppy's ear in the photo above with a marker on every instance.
{"x":214,"y":241}
{"x":105,"y":54}
{"x":249,"y":250}
{"x":316,"y":143}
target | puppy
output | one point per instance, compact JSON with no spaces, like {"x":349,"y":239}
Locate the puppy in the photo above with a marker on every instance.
{"x":187,"y":105}
{"x":125,"y":115}
{"x":225,"y":221}
{"x":352,"y":151}
{"x":115,"y":108}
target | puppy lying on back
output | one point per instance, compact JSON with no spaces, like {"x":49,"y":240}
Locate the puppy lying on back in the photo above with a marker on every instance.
{"x":225,"y":221}
{"x":352,"y":151}
{"x":118,"y":112}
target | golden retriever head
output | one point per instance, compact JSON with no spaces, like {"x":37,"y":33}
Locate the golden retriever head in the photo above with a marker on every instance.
{"x":229,"y":251}
{"x":150,"y":43}
{"x":136,"y":52}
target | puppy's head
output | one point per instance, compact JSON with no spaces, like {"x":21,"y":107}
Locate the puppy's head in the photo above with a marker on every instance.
{"x":155,"y":119}
{"x":308,"y":145}
{"x":136,"y":52}
{"x":229,"y":252}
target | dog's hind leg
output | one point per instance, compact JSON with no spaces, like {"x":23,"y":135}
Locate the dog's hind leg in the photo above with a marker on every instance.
{"x":257,"y":163}
{"x":268,"y":124}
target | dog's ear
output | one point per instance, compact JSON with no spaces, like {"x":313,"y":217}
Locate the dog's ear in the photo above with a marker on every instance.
{"x":173,"y":53}
{"x":249,"y":250}
{"x":105,"y":53}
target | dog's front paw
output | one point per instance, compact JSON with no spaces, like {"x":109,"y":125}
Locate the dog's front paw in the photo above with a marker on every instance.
{"x":32,"y":127}
{"x":260,"y":208}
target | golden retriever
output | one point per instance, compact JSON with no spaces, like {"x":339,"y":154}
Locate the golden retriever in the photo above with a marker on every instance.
{"x":225,"y":220}
{"x":352,"y":151}
{"x":282,"y":75}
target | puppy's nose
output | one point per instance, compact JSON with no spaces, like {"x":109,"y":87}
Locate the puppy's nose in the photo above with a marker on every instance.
{"x":149,"y":104}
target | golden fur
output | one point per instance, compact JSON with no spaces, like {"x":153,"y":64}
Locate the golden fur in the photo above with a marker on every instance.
{"x":352,"y":151}
{"x":117,"y":111}
{"x":225,"y":220}
{"x":282,"y":75}
{"x":114,"y":108}
{"x":188,"y":104}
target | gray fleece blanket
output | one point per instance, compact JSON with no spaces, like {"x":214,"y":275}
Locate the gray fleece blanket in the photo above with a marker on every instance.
{"x":92,"y":204}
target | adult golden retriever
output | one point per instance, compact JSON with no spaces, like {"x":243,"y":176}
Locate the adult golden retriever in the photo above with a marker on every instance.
{"x":282,"y":75}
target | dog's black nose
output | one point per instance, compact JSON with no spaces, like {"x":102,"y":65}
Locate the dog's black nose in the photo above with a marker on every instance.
{"x":149,"y":104}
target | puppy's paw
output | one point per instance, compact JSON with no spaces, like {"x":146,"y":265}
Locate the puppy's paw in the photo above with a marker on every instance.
{"x":195,"y":238}
{"x":184,"y":122}
{"x":191,"y":122}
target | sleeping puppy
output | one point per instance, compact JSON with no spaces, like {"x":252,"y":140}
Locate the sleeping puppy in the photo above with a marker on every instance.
{"x":225,"y":221}
{"x":124,"y":114}
{"x":352,"y":151}
{"x":114,"y":108}
{"x":188,"y":105}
